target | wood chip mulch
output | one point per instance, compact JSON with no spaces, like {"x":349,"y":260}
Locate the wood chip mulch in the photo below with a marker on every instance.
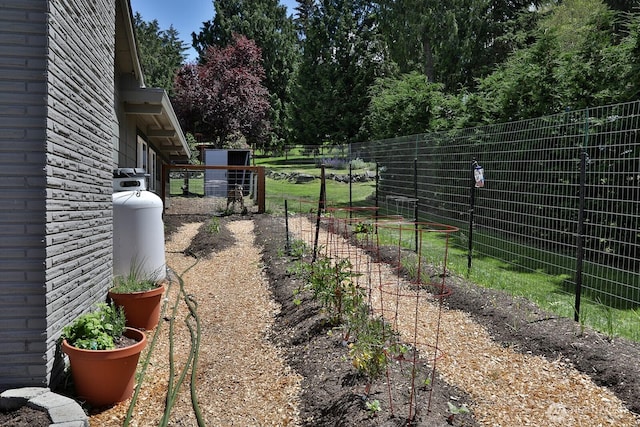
{"x":241,"y":378}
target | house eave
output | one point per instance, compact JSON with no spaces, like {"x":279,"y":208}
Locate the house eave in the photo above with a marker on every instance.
{"x":158,"y":122}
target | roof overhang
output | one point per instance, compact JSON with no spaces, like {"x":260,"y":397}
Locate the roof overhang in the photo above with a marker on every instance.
{"x":156,"y":119}
{"x":150,"y":108}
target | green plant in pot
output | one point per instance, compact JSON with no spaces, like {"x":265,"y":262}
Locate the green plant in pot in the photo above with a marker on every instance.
{"x":103,"y":355}
{"x":140,"y":296}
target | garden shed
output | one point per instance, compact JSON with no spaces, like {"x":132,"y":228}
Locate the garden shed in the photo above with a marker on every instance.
{"x":74,"y":107}
{"x":218,"y":182}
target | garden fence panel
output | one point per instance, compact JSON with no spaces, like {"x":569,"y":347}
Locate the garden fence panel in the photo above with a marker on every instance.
{"x":528,"y":212}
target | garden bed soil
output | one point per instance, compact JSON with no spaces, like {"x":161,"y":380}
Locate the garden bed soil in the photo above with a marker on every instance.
{"x":333,"y":393}
{"x":24,"y":416}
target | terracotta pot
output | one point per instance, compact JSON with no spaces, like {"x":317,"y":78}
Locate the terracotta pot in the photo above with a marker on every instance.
{"x":142,"y":309}
{"x":105,"y":377}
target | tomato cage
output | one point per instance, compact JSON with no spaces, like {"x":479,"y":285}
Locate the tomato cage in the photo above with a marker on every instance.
{"x":412,"y":296}
{"x":300,"y":216}
{"x":403,"y":267}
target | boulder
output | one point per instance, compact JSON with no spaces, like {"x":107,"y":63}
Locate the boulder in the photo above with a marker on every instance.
{"x":303,"y":177}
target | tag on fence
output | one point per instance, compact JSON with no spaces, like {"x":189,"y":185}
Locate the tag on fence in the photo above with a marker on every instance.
{"x":478,"y":174}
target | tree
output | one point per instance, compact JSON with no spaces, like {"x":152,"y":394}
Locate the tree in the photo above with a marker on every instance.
{"x":342,"y":56}
{"x":223,"y":98}
{"x":161,"y":53}
{"x":265,"y":22}
{"x":452,"y":41}
{"x":577,"y":49}
{"x":408,"y":105}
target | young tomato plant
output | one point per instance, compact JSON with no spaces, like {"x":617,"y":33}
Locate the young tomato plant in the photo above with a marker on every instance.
{"x":370,"y":350}
{"x":331,"y":284}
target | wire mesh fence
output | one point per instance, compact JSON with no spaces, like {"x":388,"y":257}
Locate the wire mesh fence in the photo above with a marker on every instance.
{"x":561,"y":194}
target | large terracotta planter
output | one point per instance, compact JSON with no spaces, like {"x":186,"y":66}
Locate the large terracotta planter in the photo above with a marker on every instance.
{"x":142,"y":309}
{"x":105,"y":377}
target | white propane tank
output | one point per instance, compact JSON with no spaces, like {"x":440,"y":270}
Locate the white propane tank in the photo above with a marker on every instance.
{"x":138,"y":229}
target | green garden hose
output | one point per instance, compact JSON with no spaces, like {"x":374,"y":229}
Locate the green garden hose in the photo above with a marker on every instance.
{"x":195,"y":335}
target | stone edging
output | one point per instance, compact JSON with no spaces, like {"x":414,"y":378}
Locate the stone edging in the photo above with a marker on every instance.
{"x":63,"y":411}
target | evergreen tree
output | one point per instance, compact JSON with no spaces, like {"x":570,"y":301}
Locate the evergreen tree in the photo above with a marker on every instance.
{"x":342,"y":56}
{"x":576,"y":51}
{"x":161,"y":53}
{"x":408,"y":105}
{"x":452,"y":41}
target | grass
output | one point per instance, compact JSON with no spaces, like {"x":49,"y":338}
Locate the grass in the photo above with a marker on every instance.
{"x":304,"y":197}
{"x":301,"y":164}
{"x":548,"y":291}
{"x":196,"y":186}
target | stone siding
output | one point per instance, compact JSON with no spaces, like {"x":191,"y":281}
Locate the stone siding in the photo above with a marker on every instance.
{"x":23,"y":41}
{"x":56,"y":142}
{"x":79,"y":159}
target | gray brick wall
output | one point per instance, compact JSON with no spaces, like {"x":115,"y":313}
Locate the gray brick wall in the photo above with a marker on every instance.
{"x":22,"y":188}
{"x":79,"y":160}
{"x":56,"y":145}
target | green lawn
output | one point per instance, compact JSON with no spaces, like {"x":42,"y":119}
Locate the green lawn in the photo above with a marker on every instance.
{"x":301,"y":197}
{"x":196,"y":186}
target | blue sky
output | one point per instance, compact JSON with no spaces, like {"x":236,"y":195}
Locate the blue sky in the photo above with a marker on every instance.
{"x":186,"y":16}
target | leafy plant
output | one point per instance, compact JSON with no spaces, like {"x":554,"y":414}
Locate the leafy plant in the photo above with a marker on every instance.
{"x":373,"y":406}
{"x":331,"y":284}
{"x":297,"y":248}
{"x":97,"y":330}
{"x":370,"y":351}
{"x":363,"y":228}
{"x":358,"y":163}
{"x":456,"y":410}
{"x":296,"y":297}
{"x":213,"y":226}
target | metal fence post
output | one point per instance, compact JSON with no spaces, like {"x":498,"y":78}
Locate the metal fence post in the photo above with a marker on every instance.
{"x":321,"y":207}
{"x":287,"y":246}
{"x":415,"y":203}
{"x":350,"y":189}
{"x":377,"y":185}
{"x":580,"y":231}
{"x":472,"y":204}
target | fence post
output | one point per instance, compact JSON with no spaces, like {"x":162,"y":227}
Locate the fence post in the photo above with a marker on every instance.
{"x":415,"y":203}
{"x":321,"y":206}
{"x":580,"y":234}
{"x":262,"y":189}
{"x":377,"y":185}
{"x":472,"y":205}
{"x":287,"y":245}
{"x":350,"y":190}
